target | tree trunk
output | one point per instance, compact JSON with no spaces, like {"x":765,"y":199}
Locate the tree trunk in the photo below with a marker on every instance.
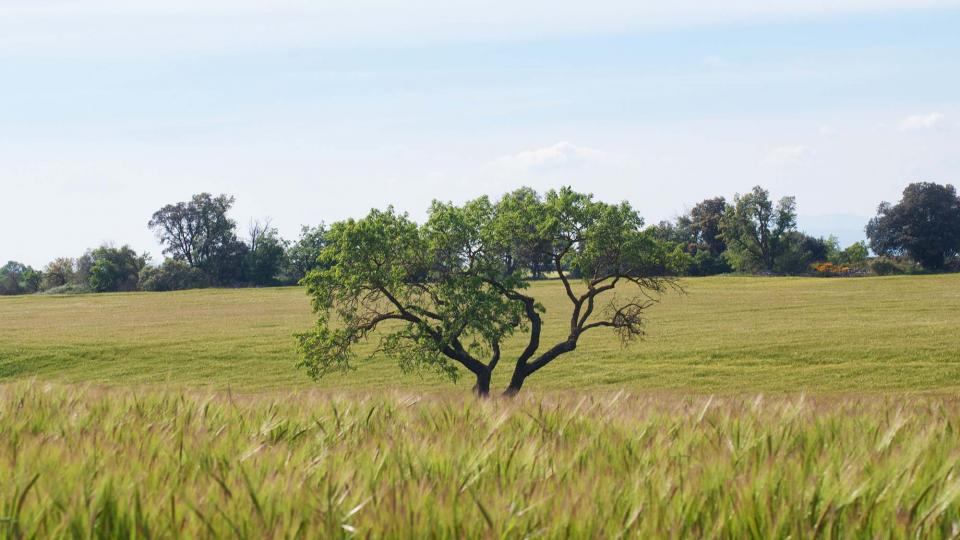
{"x":516,"y":382}
{"x":482,"y":388}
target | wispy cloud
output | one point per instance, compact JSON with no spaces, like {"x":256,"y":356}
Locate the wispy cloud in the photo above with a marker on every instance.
{"x":562,"y":155}
{"x":790,"y":154}
{"x":921,"y":121}
{"x":76,"y":26}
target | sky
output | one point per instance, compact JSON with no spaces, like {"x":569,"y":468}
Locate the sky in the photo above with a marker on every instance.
{"x":311,"y":112}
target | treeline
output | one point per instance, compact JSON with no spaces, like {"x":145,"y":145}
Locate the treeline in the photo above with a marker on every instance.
{"x":753,"y":233}
{"x":203,"y":248}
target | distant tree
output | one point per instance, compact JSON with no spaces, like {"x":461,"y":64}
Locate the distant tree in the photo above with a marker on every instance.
{"x":83,"y":266}
{"x":115,"y":269}
{"x":19,"y":278}
{"x":925,"y":225}
{"x":199,"y":232}
{"x":58,"y":272}
{"x":798,"y":251}
{"x":697,"y":234}
{"x":756,"y":231}
{"x":676,"y":232}
{"x":705,"y":220}
{"x":855,"y":255}
{"x":172,"y":275}
{"x":266,"y":254}
{"x":454,"y":288}
{"x":304,"y":254}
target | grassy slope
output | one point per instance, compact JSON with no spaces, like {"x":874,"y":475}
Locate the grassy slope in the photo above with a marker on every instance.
{"x":728,"y":334}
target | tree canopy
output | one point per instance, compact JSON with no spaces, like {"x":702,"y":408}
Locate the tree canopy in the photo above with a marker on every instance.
{"x":925,"y":225}
{"x":756,"y":231}
{"x":455,"y":288}
{"x":199,"y":232}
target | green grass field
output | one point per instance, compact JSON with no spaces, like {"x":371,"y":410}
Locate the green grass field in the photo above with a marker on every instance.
{"x":755,"y":408}
{"x":728,"y":334}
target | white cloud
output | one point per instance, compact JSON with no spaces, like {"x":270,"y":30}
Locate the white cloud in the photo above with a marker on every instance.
{"x":921,"y":121}
{"x":559,"y":156}
{"x":790,"y":154}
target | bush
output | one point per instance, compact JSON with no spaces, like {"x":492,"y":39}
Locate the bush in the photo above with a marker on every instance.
{"x":18,"y":278}
{"x":172,"y":275}
{"x":69,"y":288}
{"x":828,"y":269}
{"x":704,"y":263}
{"x":889,"y":266}
{"x":115,"y":269}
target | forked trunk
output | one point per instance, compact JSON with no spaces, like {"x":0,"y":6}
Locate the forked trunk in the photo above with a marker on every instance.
{"x":516,"y":382}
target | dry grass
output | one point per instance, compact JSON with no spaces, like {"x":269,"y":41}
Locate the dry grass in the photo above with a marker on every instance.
{"x":81,"y":463}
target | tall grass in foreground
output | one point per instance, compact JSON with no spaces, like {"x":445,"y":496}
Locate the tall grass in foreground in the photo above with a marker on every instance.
{"x":78,"y":462}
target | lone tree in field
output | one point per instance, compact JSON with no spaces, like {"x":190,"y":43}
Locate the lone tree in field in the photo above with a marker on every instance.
{"x":447,"y":294}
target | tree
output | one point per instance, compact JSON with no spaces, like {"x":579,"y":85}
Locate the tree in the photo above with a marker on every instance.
{"x":677,"y":233}
{"x":854,"y":255}
{"x":304,"y":254}
{"x":199,"y":232}
{"x":705,"y":220}
{"x":58,"y":272}
{"x":454,"y":288}
{"x":266,"y":254}
{"x":115,"y":269}
{"x":19,"y":278}
{"x":799,"y":251}
{"x":756,"y":232}
{"x":925,"y":225}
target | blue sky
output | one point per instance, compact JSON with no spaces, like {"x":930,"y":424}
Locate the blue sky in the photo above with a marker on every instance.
{"x":308,"y":112}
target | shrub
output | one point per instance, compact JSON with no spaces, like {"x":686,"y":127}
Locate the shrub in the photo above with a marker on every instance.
{"x":172,"y":275}
{"x":828,"y":269}
{"x":889,"y":266}
{"x":69,"y":288}
{"x":115,"y":269}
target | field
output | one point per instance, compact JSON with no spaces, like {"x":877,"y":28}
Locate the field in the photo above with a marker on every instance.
{"x":112,"y":464}
{"x":755,"y":408}
{"x":727,"y":335}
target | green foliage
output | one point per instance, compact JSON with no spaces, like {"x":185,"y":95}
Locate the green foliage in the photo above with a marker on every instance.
{"x":855,"y":255}
{"x":304,"y":254}
{"x":798,"y":251}
{"x":58,"y":273}
{"x":705,"y":225}
{"x":892,"y":266}
{"x":115,"y":269}
{"x":18,"y":278}
{"x":172,"y":275}
{"x":265,"y":257}
{"x":452,"y":289}
{"x":924,"y":225}
{"x":703,"y":262}
{"x":697,"y":235}
{"x":757,"y":232}
{"x":199,"y":232}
